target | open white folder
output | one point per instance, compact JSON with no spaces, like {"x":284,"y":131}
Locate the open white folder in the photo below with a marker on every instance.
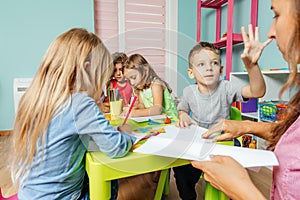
{"x":187,"y":143}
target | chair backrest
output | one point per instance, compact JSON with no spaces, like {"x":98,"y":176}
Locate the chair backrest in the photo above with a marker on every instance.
{"x":235,"y":113}
{"x":212,"y":193}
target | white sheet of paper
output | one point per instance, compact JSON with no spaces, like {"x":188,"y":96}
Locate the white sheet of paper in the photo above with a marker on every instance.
{"x":138,"y":136}
{"x":188,"y":144}
{"x":144,"y":119}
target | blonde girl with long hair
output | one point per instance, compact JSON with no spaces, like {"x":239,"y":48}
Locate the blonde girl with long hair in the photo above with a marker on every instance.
{"x":58,"y":115}
{"x":154,"y":94}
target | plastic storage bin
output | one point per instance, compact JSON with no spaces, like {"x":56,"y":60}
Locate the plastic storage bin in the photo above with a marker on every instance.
{"x":272,"y":110}
{"x":280,"y":111}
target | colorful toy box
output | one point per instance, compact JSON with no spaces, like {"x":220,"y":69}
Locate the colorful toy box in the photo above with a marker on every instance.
{"x":272,"y":110}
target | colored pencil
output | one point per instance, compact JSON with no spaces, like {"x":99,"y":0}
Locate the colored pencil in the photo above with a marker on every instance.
{"x":117,"y":94}
{"x":130,"y":108}
{"x":124,"y":97}
{"x":149,"y":136}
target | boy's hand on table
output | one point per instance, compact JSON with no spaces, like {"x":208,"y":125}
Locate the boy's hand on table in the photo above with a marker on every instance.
{"x":125,"y":128}
{"x":185,"y":120}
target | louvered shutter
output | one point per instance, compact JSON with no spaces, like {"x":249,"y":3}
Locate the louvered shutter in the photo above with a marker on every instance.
{"x":143,"y":30}
{"x":145,"y":26}
{"x":107,"y":23}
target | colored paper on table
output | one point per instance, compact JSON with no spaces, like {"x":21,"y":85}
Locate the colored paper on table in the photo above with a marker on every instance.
{"x":144,"y":119}
{"x":188,"y":144}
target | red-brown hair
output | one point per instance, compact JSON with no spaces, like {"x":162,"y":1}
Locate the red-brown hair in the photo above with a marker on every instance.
{"x":293,"y":110}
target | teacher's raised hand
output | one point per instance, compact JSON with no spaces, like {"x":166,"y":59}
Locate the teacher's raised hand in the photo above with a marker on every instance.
{"x":252,"y":46}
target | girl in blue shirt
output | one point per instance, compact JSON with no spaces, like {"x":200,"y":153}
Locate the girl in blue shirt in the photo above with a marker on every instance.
{"x":57,"y":117}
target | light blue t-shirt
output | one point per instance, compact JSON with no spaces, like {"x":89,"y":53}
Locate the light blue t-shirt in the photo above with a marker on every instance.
{"x":58,"y":172}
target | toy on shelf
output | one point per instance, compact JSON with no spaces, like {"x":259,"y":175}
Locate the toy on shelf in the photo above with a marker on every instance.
{"x":280,"y":111}
{"x":224,"y":36}
{"x":249,"y":106}
{"x":252,"y":144}
{"x":249,"y":141}
{"x":272,"y":110}
{"x":267,"y":111}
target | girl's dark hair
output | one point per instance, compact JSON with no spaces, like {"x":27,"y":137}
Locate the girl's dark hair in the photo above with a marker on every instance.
{"x":119,"y":57}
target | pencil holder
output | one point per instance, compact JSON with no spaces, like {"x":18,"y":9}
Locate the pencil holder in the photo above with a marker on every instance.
{"x":115,"y":109}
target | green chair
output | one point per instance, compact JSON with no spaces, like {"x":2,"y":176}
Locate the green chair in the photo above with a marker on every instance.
{"x":235,"y":114}
{"x":212,"y":193}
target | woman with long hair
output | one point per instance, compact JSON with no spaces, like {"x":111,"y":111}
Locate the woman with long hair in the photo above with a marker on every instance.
{"x":225,"y":173}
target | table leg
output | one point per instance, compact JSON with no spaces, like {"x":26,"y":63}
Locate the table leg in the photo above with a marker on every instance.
{"x":167,"y":183}
{"x":164,"y":175}
{"x":99,"y":189}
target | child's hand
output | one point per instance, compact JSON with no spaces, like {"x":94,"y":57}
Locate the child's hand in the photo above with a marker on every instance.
{"x":104,"y":107}
{"x":125,"y":128}
{"x":185,"y":120}
{"x":125,"y":111}
{"x":252,"y":47}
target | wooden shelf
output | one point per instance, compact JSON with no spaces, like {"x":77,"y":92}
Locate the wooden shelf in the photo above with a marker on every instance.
{"x":277,"y":72}
{"x":274,"y":81}
{"x":213,"y":3}
{"x":264,"y":72}
{"x":253,"y":115}
{"x":236,"y":39}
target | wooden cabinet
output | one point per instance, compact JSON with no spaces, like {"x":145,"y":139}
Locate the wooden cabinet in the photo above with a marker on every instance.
{"x":231,"y":38}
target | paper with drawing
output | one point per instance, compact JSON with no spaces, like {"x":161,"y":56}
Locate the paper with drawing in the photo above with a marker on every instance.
{"x":188,"y":144}
{"x":146,"y":118}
